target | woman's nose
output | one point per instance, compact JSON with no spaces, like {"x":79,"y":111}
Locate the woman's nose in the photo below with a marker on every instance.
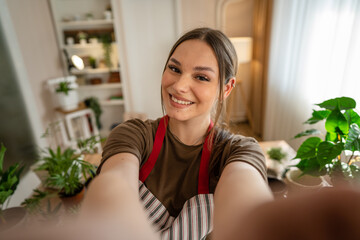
{"x":182,"y":84}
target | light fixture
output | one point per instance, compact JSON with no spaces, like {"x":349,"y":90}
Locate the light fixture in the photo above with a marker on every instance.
{"x":77,"y":62}
{"x":243,"y":48}
{"x":74,"y":62}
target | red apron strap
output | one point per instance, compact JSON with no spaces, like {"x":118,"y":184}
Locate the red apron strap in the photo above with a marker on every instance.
{"x":203,"y":182}
{"x":159,"y":138}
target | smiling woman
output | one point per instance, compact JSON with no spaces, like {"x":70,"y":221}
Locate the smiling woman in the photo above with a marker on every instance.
{"x":192,"y":177}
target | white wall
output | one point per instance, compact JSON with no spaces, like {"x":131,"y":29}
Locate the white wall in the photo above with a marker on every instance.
{"x":37,"y":49}
{"x":146,"y":30}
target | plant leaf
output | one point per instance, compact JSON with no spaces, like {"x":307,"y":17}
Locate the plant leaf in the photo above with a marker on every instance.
{"x":353,"y":140}
{"x":352,"y":117}
{"x":307,"y":133}
{"x":2,"y":153}
{"x":337,"y":123}
{"x":327,"y":151}
{"x":318,"y":116}
{"x":308,"y":148}
{"x":310,"y":166}
{"x":342,"y":103}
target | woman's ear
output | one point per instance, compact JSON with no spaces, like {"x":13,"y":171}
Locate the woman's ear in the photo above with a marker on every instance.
{"x":229,"y":87}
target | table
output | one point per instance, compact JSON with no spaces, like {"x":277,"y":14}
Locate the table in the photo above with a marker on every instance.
{"x":278,"y":167}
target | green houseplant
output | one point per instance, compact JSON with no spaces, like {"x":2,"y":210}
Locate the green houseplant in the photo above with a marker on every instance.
{"x":106,"y":40}
{"x":329,"y":156}
{"x":67,"y":171}
{"x":9,"y":180}
{"x":64,"y":87}
{"x":67,"y":95}
{"x":94,"y":104}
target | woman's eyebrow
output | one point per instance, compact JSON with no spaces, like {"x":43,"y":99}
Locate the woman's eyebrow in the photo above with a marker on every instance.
{"x":198,"y":68}
{"x":175,"y":61}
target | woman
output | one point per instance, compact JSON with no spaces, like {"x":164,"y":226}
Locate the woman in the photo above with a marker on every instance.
{"x":195,"y":179}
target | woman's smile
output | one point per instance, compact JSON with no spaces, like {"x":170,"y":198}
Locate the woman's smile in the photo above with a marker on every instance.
{"x":180,"y":102}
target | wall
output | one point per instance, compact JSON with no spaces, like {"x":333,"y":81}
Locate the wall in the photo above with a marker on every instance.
{"x":146,"y":30}
{"x":199,"y":13}
{"x":37,"y":44}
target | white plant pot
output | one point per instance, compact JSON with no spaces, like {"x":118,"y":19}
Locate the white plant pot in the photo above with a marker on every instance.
{"x":68,"y":102}
{"x":305,"y":182}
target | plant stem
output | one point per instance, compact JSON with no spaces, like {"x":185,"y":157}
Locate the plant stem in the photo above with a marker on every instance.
{"x":352,"y":155}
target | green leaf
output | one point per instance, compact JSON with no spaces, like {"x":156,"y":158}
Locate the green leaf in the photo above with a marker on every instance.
{"x":310,"y":166}
{"x":4,"y":195}
{"x":342,"y":103}
{"x":318,"y":116}
{"x":308,"y":148}
{"x":307,"y":133}
{"x":2,"y":153}
{"x":327,"y":151}
{"x":352,"y":117}
{"x":353,"y":140}
{"x":337,"y":123}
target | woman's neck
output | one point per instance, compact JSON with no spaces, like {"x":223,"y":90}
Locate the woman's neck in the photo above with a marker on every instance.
{"x":189,"y":132}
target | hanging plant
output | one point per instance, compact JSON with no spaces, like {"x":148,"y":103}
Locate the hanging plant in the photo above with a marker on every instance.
{"x":106,"y":40}
{"x":94,"y":104}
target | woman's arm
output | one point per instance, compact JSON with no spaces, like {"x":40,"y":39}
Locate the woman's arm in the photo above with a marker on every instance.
{"x":113,"y":197}
{"x":240,"y":189}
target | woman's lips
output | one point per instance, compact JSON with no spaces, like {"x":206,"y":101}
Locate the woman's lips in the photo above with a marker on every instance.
{"x":180,"y":101}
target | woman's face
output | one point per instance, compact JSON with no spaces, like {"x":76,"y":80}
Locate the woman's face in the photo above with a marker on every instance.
{"x":190,"y":81}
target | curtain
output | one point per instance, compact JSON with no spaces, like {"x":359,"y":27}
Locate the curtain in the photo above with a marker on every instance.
{"x":261,"y":35}
{"x":314,"y":55}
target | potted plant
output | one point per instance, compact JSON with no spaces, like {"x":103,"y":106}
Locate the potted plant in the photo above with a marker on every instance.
{"x":82,"y":36}
{"x":106,"y":40}
{"x":275,"y":166}
{"x":335,"y":155}
{"x":67,"y":95}
{"x":67,"y":172}
{"x":9,"y":180}
{"x":93,"y":103}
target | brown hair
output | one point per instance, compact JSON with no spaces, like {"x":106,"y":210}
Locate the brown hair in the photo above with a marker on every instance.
{"x":225,"y":55}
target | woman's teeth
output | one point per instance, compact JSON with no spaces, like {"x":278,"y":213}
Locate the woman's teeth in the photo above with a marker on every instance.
{"x":180,"y":101}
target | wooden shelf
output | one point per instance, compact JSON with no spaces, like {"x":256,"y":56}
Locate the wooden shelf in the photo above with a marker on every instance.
{"x":93,"y":71}
{"x":100,"y":86}
{"x":84,"y":46}
{"x":112,"y":102}
{"x":101,"y":23}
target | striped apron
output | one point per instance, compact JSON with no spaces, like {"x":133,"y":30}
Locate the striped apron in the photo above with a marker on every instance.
{"x":195,"y":218}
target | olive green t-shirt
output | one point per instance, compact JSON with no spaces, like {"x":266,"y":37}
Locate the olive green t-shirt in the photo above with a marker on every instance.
{"x":174,"y":178}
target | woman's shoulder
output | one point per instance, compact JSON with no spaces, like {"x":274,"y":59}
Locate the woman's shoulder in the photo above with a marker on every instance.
{"x":224,"y":138}
{"x":230,"y":147}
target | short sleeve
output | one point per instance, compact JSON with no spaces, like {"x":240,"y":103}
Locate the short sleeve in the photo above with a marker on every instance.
{"x":230,"y":148}
{"x":133,"y":136}
{"x":246,"y":149}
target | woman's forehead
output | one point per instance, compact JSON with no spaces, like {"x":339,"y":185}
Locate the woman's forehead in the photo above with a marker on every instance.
{"x":196,"y":51}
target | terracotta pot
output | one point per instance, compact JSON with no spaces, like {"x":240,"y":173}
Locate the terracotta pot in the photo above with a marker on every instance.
{"x":72,"y":201}
{"x":11,"y":218}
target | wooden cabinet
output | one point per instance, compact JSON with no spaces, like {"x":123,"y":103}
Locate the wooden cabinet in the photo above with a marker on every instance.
{"x":86,"y":28}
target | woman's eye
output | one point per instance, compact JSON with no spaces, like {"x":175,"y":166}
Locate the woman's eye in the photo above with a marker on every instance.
{"x":202,"y":78}
{"x":174,"y":69}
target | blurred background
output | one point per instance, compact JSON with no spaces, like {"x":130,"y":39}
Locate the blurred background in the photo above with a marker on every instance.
{"x":293,"y":54}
